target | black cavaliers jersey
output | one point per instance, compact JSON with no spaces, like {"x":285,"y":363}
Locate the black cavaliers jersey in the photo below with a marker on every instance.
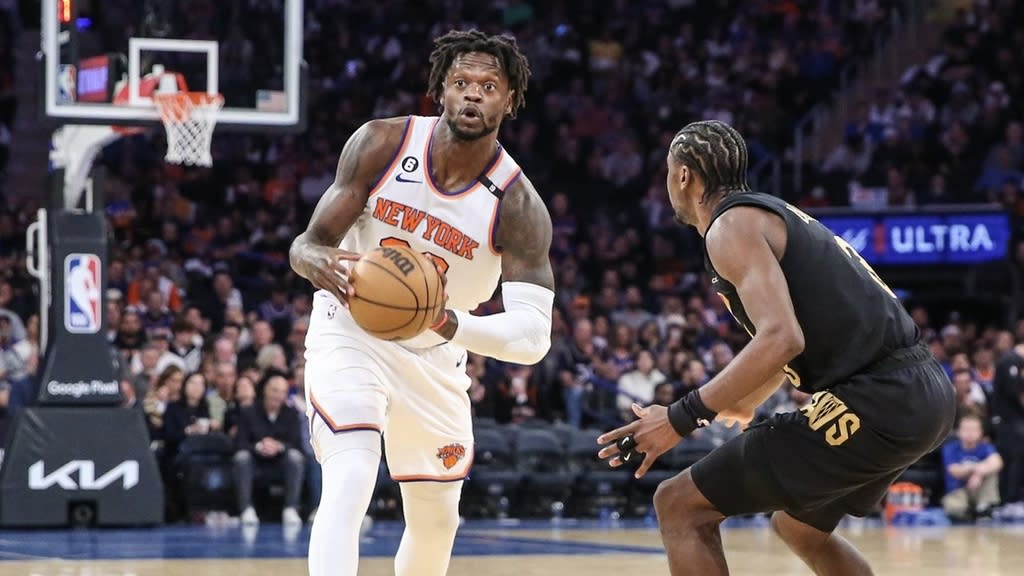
{"x":850,"y":318}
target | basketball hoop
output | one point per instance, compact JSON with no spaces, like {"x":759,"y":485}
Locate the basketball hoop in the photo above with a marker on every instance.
{"x":189,"y":118}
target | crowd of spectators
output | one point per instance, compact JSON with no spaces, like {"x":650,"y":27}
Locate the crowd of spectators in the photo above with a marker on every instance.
{"x":9,"y":25}
{"x":206,"y":317}
{"x":950,"y":132}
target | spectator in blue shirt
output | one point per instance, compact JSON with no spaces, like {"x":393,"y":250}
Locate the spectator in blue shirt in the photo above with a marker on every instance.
{"x":972,"y":471}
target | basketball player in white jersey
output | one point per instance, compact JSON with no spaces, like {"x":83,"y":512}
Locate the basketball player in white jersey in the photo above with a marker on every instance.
{"x":444,"y":186}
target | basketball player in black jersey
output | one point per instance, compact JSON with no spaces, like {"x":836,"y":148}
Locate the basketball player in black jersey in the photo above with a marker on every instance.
{"x":819,"y":316}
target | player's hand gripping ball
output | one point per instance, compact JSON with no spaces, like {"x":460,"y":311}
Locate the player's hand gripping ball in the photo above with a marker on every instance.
{"x":398,"y":293}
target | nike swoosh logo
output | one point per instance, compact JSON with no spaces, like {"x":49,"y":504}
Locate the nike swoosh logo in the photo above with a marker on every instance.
{"x":399,"y":178}
{"x":714,"y":280}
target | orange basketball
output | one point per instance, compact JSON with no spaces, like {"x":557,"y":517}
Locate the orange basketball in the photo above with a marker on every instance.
{"x":398,"y":292}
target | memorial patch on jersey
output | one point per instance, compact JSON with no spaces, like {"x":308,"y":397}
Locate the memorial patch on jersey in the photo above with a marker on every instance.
{"x":435,"y":230}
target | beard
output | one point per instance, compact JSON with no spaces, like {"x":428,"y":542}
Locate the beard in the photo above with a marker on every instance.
{"x":681,"y":219}
{"x":468,"y":135}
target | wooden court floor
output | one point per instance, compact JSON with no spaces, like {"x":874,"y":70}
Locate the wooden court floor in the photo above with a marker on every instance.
{"x":960,"y":551}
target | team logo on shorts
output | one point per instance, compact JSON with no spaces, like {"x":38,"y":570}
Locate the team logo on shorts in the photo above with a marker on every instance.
{"x":331,"y":310}
{"x":451,"y":454}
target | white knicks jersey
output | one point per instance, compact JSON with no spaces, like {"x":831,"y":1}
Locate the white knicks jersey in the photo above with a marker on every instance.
{"x":454,"y":228}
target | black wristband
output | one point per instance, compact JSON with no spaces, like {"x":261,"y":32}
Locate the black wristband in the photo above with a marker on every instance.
{"x":689,"y":413}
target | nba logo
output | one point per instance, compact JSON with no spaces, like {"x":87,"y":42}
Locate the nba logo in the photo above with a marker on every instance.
{"x":82,"y":293}
{"x":67,"y":80}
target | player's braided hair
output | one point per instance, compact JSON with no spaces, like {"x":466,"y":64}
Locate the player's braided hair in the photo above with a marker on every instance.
{"x":448,"y":47}
{"x":717,"y":152}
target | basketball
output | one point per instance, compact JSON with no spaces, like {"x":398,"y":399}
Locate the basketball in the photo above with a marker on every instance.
{"x":398,"y":292}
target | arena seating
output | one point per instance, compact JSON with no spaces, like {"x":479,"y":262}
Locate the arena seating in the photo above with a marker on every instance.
{"x":609,"y":89}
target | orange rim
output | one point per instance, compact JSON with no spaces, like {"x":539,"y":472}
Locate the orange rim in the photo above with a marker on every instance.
{"x":177,"y":107}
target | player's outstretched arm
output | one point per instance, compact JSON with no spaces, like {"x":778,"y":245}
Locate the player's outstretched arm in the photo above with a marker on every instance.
{"x":743,"y":411}
{"x":744,"y":245}
{"x":522,"y":333}
{"x":314,"y":254}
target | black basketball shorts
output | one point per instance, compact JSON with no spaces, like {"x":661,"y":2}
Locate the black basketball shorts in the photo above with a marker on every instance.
{"x":839,"y":454}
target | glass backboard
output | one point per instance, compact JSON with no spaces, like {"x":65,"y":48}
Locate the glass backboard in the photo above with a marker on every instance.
{"x":104,"y":58}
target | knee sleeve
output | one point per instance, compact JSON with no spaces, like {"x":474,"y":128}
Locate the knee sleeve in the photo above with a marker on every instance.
{"x":349,"y":473}
{"x":431,"y":520}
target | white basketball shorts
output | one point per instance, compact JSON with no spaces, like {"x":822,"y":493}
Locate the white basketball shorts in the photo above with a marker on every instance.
{"x":416,"y":398}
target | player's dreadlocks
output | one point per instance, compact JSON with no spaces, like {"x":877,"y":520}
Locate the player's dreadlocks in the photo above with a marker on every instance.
{"x":717,"y":152}
{"x":504,"y":48}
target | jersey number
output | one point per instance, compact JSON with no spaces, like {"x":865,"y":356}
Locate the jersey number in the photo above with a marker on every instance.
{"x":794,"y":378}
{"x":441,"y":264}
{"x":852,"y":253}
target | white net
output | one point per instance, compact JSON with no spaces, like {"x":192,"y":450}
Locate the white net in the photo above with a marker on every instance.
{"x":189,"y":118}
